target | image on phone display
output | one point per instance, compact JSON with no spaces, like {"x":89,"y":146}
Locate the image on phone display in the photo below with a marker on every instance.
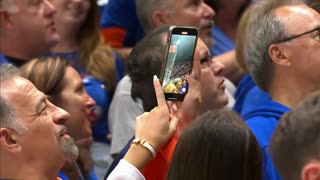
{"x":179,"y":63}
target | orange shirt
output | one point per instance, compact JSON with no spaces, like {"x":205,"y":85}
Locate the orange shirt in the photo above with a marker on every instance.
{"x":157,"y":168}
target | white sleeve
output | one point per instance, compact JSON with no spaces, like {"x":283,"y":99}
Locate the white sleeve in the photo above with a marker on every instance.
{"x":125,"y":171}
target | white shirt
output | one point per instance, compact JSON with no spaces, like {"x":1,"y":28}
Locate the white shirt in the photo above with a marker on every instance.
{"x":125,"y":171}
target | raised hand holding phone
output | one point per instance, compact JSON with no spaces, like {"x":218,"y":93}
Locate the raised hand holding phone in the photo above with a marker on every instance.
{"x":155,"y":127}
{"x":180,"y":47}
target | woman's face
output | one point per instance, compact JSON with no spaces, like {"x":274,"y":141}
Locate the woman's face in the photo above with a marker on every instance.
{"x":71,"y":11}
{"x":212,"y":80}
{"x":75,"y":100}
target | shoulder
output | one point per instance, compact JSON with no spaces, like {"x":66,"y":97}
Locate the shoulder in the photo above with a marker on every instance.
{"x":262,"y":128}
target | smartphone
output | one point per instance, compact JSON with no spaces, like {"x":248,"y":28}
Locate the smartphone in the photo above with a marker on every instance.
{"x":180,"y":47}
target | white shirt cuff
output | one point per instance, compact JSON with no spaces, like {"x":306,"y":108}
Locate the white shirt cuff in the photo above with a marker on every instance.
{"x":125,"y":170}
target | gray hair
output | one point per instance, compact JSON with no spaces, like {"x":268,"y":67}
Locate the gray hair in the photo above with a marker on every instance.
{"x":263,"y":29}
{"x":7,"y":111}
{"x":8,"y":5}
{"x":145,"y":10}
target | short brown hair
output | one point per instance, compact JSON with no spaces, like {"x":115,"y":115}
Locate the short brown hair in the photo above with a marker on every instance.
{"x":296,"y":140}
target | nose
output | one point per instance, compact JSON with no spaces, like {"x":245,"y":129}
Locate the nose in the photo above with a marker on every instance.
{"x":218,"y":68}
{"x":90,"y":102}
{"x":59,"y":115}
{"x":50,"y":10}
{"x":208,"y":12}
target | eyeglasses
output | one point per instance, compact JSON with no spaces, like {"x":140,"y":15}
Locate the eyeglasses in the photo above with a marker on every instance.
{"x":299,"y":35}
{"x":207,"y":60}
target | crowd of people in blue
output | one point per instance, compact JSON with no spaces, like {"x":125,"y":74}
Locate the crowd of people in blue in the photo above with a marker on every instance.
{"x":81,"y":99}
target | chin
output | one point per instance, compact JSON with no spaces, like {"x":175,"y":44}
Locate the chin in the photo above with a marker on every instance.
{"x":54,"y":40}
{"x":223,"y":100}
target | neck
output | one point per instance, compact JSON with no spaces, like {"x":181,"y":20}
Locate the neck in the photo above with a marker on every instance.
{"x":30,"y":165}
{"x":69,"y":38}
{"x":289,"y":91}
{"x":16,"y":51}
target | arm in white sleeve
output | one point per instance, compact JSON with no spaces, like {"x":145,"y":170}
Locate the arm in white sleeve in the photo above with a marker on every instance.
{"x":125,"y":171}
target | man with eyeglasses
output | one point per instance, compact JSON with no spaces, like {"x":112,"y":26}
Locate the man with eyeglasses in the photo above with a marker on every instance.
{"x":281,"y":52}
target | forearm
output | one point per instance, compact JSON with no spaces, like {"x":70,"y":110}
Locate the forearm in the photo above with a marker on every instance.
{"x":138,"y":156}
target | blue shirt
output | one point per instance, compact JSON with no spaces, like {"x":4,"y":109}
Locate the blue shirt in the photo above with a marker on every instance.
{"x":222,"y":42}
{"x":3,"y":59}
{"x":262,"y":114}
{"x":92,"y":176}
{"x":122,"y":14}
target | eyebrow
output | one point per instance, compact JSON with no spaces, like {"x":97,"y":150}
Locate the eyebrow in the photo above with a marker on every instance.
{"x":79,"y":85}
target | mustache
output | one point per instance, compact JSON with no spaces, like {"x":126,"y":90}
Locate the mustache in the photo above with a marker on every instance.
{"x":206,"y":24}
{"x":62,"y":130}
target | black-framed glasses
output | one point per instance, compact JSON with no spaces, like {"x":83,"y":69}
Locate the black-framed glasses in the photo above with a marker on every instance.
{"x":207,"y":60}
{"x":298,"y":35}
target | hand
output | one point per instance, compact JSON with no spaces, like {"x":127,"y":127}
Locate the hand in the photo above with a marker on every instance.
{"x":156,"y":126}
{"x":189,"y":108}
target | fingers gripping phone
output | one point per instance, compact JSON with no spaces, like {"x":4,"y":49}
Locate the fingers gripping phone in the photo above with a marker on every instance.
{"x":180,"y":47}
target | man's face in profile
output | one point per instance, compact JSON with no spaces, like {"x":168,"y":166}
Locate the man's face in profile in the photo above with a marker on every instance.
{"x":33,"y":22}
{"x":45,"y":135}
{"x":192,"y":13}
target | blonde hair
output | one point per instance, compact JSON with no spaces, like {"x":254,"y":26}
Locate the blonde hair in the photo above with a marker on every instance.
{"x":97,"y":58}
{"x":241,"y":32}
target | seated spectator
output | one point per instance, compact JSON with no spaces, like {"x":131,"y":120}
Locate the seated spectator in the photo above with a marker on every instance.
{"x":212,"y":153}
{"x":34,"y":143}
{"x":290,"y":49}
{"x":122,"y":118}
{"x":217,"y":145}
{"x":27,"y":30}
{"x":155,"y":13}
{"x":154,"y":129}
{"x":19,"y":130}
{"x":142,"y":67}
{"x":64,"y":88}
{"x":295,"y":143}
{"x":82,"y":45}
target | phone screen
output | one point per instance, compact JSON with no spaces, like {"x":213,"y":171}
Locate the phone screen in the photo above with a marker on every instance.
{"x":179,"y":63}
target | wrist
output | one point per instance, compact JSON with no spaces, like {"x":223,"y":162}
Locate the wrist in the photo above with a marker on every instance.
{"x":146,"y":145}
{"x":138,"y":156}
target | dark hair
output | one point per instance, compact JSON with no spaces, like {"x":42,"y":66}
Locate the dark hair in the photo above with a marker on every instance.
{"x":217,"y":145}
{"x":144,"y":62}
{"x":296,"y":140}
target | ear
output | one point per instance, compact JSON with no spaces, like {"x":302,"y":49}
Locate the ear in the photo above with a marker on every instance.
{"x":5,"y":21}
{"x":159,"y":18}
{"x":279,"y":54}
{"x":311,"y":171}
{"x":8,"y":140}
